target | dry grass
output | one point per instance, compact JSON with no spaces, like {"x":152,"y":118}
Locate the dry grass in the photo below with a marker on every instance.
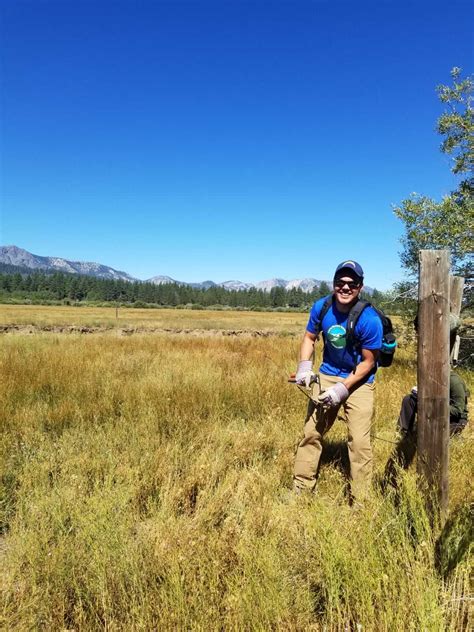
{"x":146,"y":486}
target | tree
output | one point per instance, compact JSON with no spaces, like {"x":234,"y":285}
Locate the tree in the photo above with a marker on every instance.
{"x":449,"y":223}
{"x":277,"y":296}
{"x":323,"y":289}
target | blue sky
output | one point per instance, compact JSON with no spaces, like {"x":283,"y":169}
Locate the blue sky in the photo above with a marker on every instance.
{"x":223,"y":139}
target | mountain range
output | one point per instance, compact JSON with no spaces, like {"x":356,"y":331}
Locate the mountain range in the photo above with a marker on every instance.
{"x":14,"y":256}
{"x":20,"y":258}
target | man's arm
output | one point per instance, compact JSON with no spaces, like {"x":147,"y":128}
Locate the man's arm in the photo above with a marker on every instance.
{"x":365,"y":366}
{"x":307,"y":346}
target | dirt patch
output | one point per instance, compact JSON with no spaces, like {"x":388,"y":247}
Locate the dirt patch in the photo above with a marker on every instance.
{"x":129,"y":331}
{"x":55,"y":329}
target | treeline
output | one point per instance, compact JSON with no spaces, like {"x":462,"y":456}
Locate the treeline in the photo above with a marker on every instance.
{"x":71,"y":289}
{"x":8,"y":268}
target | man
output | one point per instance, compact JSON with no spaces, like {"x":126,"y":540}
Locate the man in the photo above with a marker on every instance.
{"x":458,"y":396}
{"x":405,"y":451}
{"x":346,"y":378}
{"x":458,"y":393}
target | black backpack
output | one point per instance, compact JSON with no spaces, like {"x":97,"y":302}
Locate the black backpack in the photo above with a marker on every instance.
{"x":389,"y":340}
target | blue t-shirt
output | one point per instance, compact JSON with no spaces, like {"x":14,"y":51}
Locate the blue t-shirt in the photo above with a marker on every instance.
{"x":339,"y":358}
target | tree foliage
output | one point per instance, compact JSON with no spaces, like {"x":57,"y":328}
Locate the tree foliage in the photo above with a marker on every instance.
{"x":430,"y":224}
{"x":457,"y":123}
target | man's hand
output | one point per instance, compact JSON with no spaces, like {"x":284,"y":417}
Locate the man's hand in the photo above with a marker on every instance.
{"x":334,"y":395}
{"x":304,"y":373}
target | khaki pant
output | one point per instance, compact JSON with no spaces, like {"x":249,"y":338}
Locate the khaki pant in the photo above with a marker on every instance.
{"x":358,"y":411}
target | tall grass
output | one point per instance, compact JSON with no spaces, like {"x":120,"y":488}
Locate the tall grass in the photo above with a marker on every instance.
{"x":146,"y":485}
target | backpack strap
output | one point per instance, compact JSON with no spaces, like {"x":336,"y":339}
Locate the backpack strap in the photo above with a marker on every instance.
{"x":324,"y":310}
{"x":353,"y":317}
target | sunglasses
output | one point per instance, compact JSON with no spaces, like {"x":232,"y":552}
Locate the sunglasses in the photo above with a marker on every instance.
{"x":352,"y":285}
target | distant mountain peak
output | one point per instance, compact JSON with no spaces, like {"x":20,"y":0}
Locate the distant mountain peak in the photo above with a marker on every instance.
{"x":160,"y":280}
{"x":235,"y":285}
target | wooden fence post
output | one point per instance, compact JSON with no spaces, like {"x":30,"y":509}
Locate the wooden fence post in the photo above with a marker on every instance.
{"x":456,"y":287}
{"x":433,"y":374}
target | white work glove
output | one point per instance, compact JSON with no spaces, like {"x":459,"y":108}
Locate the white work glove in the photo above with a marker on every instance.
{"x":334,"y":395}
{"x":304,"y":373}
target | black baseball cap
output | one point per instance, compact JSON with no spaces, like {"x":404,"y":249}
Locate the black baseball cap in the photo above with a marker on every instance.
{"x":351,"y":266}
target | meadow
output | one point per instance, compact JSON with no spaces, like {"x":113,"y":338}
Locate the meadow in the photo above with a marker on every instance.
{"x":146,"y":485}
{"x":150,"y":320}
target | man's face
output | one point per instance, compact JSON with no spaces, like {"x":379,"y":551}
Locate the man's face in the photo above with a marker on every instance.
{"x":347,"y":288}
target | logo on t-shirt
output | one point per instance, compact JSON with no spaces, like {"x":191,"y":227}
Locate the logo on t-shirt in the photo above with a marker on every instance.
{"x":336,"y":335}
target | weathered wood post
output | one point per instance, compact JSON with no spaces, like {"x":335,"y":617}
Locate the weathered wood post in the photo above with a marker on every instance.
{"x":456,"y":288}
{"x":433,"y":374}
